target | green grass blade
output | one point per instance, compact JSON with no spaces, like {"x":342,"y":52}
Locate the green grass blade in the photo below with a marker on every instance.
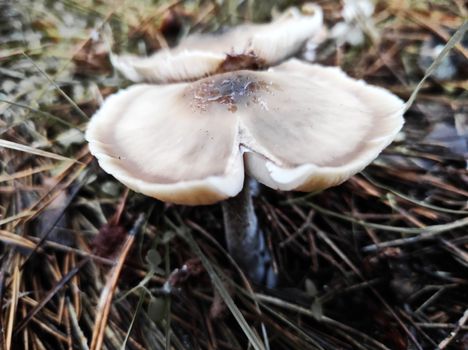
{"x":450,"y":44}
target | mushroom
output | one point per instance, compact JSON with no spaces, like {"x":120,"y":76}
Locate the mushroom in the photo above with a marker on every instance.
{"x":296,"y":126}
{"x":245,"y":46}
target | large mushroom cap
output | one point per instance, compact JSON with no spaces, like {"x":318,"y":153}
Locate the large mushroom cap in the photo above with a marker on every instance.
{"x":242,"y":47}
{"x":295,"y":127}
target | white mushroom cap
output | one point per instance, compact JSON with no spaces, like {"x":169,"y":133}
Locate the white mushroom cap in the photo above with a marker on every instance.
{"x":294,"y":127}
{"x":245,"y":46}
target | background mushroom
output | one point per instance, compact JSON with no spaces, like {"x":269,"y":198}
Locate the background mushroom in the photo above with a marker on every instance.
{"x":294,"y":127}
{"x":242,"y":47}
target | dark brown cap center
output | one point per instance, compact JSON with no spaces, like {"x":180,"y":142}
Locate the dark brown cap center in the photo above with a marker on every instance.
{"x":227,"y":89}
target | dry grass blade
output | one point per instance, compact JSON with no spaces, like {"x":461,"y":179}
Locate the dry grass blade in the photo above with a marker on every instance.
{"x":73,"y":103}
{"x":459,"y":253}
{"x":132,"y":322}
{"x":428,"y":230}
{"x":63,"y":248}
{"x":25,"y":173}
{"x":19,"y":216}
{"x":305,"y":336}
{"x":251,"y":335}
{"x":41,"y":113}
{"x":16,"y":278}
{"x":76,"y":327}
{"x":310,"y":313}
{"x":11,"y":238}
{"x":403,"y":241}
{"x":247,"y":285}
{"x":35,"y":151}
{"x":338,"y":251}
{"x":67,"y":203}
{"x":412,"y":200}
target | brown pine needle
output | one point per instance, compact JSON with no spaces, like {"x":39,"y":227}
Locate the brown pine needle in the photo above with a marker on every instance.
{"x":15,"y":285}
{"x":58,"y":286}
{"x":105,"y":300}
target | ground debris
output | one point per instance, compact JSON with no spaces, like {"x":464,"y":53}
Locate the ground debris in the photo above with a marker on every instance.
{"x":386,"y":252}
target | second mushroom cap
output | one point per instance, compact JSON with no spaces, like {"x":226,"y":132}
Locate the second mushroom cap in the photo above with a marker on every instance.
{"x":243,"y":47}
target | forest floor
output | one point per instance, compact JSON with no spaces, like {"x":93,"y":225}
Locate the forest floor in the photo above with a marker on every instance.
{"x":379,"y":262}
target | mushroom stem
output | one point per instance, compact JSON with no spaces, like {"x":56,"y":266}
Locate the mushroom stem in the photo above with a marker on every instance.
{"x":244,"y":239}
